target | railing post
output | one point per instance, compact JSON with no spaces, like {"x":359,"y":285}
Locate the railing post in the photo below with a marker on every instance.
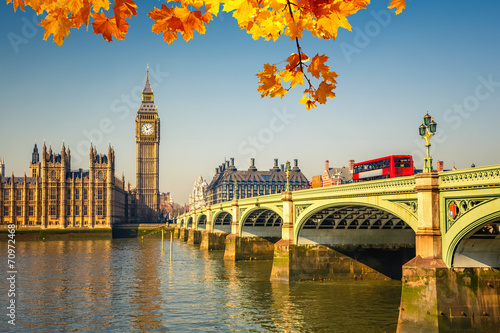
{"x":428,"y":242}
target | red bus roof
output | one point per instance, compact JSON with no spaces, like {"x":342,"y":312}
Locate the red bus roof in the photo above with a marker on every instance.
{"x":381,"y":158}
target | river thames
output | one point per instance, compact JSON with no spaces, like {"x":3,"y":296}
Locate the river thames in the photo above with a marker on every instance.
{"x":130,"y":285}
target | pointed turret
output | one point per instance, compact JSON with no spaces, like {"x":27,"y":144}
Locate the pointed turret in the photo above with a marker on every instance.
{"x":34,"y":156}
{"x":2,"y":168}
{"x":147,"y":91}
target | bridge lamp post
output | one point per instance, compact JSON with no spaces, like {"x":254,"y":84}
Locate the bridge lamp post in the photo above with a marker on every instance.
{"x":287,"y":169}
{"x":426,"y":131}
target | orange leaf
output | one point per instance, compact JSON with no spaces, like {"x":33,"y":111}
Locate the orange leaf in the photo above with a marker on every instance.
{"x":58,"y":24}
{"x":398,"y":4}
{"x":318,"y":66}
{"x":123,"y":9}
{"x":324,"y":91}
{"x":107,"y":27}
{"x":270,"y":84}
{"x":296,"y":77}
{"x":98,"y":4}
{"x":82,"y":16}
{"x":166,"y":23}
{"x":307,"y":101}
{"x":17,"y":3}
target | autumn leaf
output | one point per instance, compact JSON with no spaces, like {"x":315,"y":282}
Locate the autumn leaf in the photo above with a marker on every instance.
{"x":17,"y":3}
{"x":58,"y":24}
{"x":266,"y":19}
{"x":268,"y":80}
{"x":98,"y":4}
{"x":398,"y":4}
{"x":107,"y":27}
{"x":124,"y":9}
{"x":308,"y":102}
{"x":83,"y":15}
{"x":318,"y":66}
{"x":323,"y":92}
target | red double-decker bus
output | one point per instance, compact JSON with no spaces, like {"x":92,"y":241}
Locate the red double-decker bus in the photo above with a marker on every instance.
{"x":383,"y":167}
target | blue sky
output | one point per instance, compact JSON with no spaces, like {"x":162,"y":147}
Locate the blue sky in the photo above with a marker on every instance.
{"x":437,"y":56}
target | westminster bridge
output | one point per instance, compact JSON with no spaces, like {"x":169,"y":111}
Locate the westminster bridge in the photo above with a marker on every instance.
{"x":441,"y":228}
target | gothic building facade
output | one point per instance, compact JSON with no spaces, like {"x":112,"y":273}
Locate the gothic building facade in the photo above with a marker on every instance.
{"x":251,"y":182}
{"x":54,"y":196}
{"x":198,"y":197}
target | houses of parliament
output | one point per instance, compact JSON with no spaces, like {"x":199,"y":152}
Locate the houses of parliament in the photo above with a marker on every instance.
{"x":55,"y":196}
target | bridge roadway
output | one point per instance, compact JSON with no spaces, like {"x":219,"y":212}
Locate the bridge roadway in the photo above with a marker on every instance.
{"x":448,"y":222}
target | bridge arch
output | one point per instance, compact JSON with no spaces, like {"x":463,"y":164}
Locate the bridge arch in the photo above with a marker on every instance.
{"x":182,"y":221}
{"x":189,"y":223}
{"x":201,"y":222}
{"x":221,"y":221}
{"x":261,"y":221}
{"x":466,"y":244}
{"x":356,"y":214}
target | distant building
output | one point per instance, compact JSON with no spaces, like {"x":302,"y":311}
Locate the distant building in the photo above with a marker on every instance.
{"x":54,"y":196}
{"x":336,"y":176}
{"x":198,"y":198}
{"x":317,"y":181}
{"x":2,"y":168}
{"x":251,"y":182}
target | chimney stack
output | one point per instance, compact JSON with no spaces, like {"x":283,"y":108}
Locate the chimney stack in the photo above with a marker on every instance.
{"x":252,"y":165}
{"x":440,"y":166}
{"x":327,"y":165}
{"x":351,"y":166}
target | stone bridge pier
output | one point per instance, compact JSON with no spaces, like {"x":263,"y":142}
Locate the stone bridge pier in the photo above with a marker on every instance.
{"x":241,"y":246}
{"x":438,"y":298}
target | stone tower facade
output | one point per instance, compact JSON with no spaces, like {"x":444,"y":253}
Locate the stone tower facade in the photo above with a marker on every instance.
{"x":147,"y":138}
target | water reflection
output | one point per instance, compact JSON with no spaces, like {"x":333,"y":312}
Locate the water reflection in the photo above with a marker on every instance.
{"x":124,"y":285}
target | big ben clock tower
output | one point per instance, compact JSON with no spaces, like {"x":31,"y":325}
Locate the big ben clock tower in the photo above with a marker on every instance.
{"x":147,"y":139}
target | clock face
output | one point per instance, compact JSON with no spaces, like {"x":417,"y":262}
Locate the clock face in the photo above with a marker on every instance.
{"x":147,"y":129}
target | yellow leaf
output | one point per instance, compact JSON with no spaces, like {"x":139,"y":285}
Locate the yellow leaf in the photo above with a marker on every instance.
{"x":324,"y":91}
{"x":318,"y":66}
{"x":58,"y":24}
{"x":307,"y":101}
{"x":398,"y":4}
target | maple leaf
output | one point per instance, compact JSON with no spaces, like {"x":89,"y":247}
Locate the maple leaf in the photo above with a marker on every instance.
{"x":295,"y":77}
{"x":318,"y":66}
{"x":191,"y":21}
{"x":82,"y":16}
{"x":107,"y":27}
{"x":166,"y":23}
{"x":58,"y":24}
{"x":124,"y":9}
{"x":398,"y":4}
{"x":98,"y":4}
{"x":17,"y":3}
{"x":308,"y":102}
{"x":323,"y":92}
{"x":293,"y":60}
{"x":270,"y":83}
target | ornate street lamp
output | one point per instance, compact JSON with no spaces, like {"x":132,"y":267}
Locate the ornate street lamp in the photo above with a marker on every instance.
{"x":426,"y":131}
{"x":235,"y":195}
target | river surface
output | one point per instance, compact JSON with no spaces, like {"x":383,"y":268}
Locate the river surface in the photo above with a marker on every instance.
{"x":130,"y":285}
